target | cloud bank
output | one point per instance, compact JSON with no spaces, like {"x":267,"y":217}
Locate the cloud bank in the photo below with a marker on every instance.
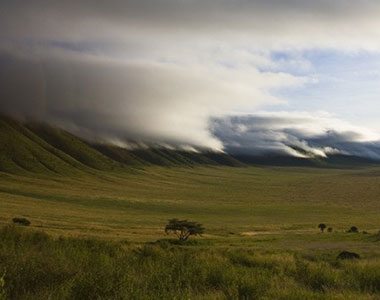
{"x":296,"y":134}
{"x":157,"y":71}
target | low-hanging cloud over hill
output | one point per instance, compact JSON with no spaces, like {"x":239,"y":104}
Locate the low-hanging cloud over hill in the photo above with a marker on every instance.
{"x":159,"y":71}
{"x":297,"y":134}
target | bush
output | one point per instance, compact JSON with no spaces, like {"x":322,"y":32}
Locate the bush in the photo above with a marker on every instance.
{"x":21,"y":221}
{"x":353,"y":229}
{"x":329,"y":229}
{"x":348,"y":255}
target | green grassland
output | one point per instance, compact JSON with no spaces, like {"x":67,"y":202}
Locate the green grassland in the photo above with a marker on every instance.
{"x":98,"y":213}
{"x":106,"y":239}
{"x":136,"y":203}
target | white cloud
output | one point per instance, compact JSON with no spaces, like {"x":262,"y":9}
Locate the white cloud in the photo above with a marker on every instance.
{"x":157,"y":70}
{"x":296,"y":134}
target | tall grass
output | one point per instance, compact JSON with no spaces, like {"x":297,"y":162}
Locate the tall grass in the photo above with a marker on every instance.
{"x":40,"y":267}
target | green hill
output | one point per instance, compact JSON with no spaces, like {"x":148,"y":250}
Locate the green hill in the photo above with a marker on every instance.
{"x":166,"y":157}
{"x":22,"y":151}
{"x":40,"y":148}
{"x":73,"y":146}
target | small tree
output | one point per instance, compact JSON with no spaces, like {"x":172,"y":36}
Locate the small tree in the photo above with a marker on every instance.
{"x":322,"y":227}
{"x":184,"y":228}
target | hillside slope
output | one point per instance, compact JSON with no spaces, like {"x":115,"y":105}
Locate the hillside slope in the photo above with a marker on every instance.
{"x":73,"y":146}
{"x":40,"y":148}
{"x":23,"y":151}
{"x":166,"y":157}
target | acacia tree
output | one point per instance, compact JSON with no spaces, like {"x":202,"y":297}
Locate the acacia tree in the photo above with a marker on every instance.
{"x":184,"y":228}
{"x":322,"y":227}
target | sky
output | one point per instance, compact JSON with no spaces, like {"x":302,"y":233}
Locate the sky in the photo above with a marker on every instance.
{"x":241,"y":76}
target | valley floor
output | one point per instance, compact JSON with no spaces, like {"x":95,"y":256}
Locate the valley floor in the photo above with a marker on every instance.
{"x":136,"y":204}
{"x":101,"y":235}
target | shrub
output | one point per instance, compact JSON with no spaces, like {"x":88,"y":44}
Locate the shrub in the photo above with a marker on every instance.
{"x":348,"y":255}
{"x":353,"y":229}
{"x":329,"y":229}
{"x":21,"y":221}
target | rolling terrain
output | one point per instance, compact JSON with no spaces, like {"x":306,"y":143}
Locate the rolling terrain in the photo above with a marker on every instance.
{"x":67,"y":185}
{"x":136,"y":203}
{"x":98,"y":211}
{"x":42,"y":149}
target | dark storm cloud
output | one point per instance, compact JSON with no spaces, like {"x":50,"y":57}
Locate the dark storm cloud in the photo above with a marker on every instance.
{"x":133,"y":27}
{"x":45,"y":17}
